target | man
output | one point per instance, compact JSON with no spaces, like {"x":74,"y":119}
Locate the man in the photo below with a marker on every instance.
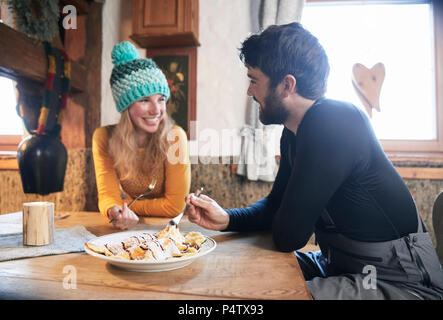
{"x":334,"y":180}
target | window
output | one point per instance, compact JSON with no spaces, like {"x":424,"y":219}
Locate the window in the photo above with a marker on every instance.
{"x":406,"y":37}
{"x":10,"y":122}
{"x":11,"y":127}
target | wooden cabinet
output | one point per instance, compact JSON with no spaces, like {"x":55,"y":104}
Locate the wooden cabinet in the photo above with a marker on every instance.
{"x":165,"y":23}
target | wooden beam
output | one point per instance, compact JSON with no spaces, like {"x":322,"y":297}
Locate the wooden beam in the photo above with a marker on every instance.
{"x":22,"y":56}
{"x":420,"y":173}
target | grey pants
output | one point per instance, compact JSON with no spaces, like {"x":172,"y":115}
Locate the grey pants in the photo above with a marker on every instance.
{"x":326,"y":283}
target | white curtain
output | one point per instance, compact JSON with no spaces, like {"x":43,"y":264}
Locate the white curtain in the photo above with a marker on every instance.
{"x":257,"y":157}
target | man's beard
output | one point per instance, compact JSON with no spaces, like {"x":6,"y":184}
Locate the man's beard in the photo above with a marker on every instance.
{"x":273,"y":112}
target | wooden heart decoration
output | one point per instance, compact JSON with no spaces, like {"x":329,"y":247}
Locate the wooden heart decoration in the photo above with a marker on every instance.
{"x":367,"y":83}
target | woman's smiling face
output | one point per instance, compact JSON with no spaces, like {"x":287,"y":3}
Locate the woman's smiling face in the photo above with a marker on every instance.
{"x":147,"y":113}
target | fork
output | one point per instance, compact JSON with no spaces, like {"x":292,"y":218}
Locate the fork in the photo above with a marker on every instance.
{"x":148,"y":191}
{"x":176,"y":220}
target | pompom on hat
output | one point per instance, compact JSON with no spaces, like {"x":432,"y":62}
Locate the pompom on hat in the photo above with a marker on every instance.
{"x":134,"y":78}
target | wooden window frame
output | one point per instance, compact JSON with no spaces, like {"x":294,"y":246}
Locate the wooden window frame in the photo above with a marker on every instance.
{"x":8,"y":151}
{"x":419,"y":152}
{"x":426,"y":149}
{"x":10,"y":142}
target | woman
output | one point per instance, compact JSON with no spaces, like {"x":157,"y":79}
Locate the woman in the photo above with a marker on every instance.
{"x":143,"y":146}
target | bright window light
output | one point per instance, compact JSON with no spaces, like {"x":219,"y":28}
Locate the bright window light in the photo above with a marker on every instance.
{"x":10,"y":122}
{"x":398,"y":35}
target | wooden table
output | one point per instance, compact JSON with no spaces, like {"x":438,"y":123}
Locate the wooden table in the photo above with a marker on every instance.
{"x":243,"y":266}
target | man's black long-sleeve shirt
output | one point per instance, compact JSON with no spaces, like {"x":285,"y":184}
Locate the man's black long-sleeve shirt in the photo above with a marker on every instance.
{"x":334,"y":162}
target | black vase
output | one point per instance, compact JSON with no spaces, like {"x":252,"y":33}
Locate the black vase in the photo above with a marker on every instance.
{"x":42,"y":163}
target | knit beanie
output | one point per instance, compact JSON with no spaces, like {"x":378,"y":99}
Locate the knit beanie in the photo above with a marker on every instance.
{"x":134,"y":78}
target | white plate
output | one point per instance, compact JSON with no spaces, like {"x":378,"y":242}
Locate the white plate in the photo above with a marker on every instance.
{"x":149,"y":265}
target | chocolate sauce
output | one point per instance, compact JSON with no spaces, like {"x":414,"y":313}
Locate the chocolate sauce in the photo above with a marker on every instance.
{"x":145,"y":242}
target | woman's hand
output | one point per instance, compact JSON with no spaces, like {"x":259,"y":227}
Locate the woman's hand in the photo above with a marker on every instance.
{"x":206,"y":212}
{"x":123,"y":218}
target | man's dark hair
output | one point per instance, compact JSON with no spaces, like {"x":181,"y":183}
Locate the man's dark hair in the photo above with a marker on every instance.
{"x":289,"y":49}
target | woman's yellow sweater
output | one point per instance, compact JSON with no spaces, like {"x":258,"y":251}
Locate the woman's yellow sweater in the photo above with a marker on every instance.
{"x":173,"y":182}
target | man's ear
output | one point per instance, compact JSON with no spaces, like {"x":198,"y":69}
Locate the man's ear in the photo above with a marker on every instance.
{"x":289,"y":85}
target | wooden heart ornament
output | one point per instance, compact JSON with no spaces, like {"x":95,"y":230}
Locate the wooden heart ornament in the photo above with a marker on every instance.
{"x":367,"y":83}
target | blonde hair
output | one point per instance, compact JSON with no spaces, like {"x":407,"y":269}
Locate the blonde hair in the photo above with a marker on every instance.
{"x":128,"y":161}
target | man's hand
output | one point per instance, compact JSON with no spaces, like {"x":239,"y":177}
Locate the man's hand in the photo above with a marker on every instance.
{"x":124,"y":218}
{"x":206,"y":212}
